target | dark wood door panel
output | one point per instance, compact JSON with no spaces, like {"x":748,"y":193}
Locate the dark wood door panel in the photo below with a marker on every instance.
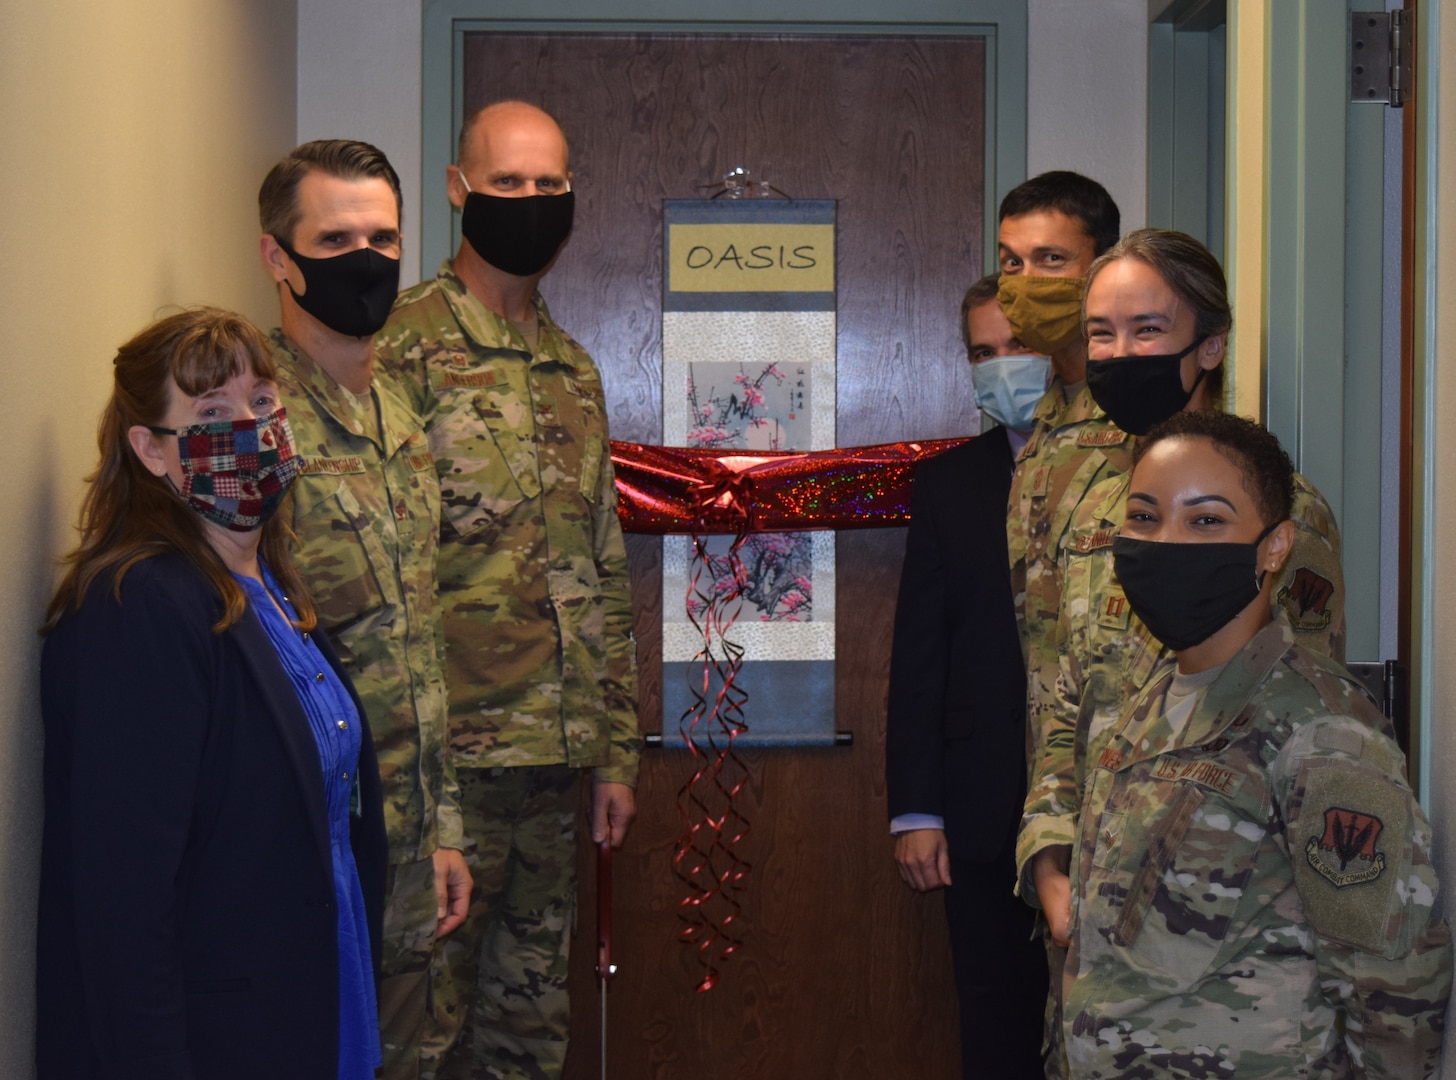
{"x":844,"y":972}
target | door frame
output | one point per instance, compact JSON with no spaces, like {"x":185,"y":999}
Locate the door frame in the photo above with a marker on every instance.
{"x":446,"y":22}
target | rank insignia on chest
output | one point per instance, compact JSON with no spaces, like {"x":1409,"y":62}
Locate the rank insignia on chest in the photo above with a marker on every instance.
{"x":1115,"y":613}
{"x":1040,"y":481}
{"x":1345,"y":854}
{"x":1108,"y":436}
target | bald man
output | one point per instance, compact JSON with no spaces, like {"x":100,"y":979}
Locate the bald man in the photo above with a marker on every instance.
{"x":533,"y":584}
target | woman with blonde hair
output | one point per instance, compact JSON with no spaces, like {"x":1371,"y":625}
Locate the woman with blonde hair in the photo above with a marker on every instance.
{"x":213,"y":849}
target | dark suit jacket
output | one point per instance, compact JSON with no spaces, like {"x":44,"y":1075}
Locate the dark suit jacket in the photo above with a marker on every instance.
{"x":956,"y":739}
{"x":187,"y":914}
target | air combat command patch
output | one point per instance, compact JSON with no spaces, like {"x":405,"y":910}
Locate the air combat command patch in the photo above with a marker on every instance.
{"x":1307,"y":599}
{"x":1345,"y":854}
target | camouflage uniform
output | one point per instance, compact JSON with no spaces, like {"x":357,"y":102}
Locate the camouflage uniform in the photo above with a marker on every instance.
{"x":1254,"y":892}
{"x":1071,"y":448}
{"x":533,"y":587}
{"x":1107,"y":655}
{"x":365,"y":508}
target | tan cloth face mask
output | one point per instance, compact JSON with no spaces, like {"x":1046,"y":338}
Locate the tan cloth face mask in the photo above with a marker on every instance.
{"x":1045,"y":313}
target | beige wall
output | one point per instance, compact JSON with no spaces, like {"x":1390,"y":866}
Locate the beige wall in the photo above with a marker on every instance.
{"x":359,"y":78}
{"x":135,"y":137}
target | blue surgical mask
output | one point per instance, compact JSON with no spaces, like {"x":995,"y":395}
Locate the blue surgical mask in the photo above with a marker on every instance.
{"x":1008,"y":388}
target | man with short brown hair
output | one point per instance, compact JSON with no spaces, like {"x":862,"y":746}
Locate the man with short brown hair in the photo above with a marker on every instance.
{"x":365,"y":509}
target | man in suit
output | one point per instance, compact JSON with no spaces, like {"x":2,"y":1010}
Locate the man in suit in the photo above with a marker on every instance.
{"x":955,"y":749}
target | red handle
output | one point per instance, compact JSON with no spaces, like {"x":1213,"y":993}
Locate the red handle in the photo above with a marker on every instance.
{"x":605,"y":967}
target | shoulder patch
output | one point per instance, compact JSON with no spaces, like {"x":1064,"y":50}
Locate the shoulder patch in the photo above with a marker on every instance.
{"x":1307,"y":599}
{"x":1348,"y":849}
{"x":1345,"y":854}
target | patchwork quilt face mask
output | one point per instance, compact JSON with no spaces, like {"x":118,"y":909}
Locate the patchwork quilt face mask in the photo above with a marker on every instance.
{"x":235,"y":473}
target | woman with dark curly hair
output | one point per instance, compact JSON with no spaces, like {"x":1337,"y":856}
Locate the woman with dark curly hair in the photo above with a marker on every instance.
{"x":1254,"y":895}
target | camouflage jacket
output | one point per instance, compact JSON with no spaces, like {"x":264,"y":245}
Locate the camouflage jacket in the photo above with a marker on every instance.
{"x":1072,"y":447}
{"x":1106,"y":655}
{"x":1253,"y":890}
{"x":364,"y":511}
{"x":539,"y":654}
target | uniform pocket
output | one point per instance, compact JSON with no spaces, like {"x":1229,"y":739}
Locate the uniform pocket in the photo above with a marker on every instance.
{"x":342,"y":558}
{"x":591,"y":469}
{"x":1159,"y":847}
{"x":1196,"y":887}
{"x":477,"y":484}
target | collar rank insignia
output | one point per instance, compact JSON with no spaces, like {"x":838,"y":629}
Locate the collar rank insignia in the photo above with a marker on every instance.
{"x":1345,"y":855}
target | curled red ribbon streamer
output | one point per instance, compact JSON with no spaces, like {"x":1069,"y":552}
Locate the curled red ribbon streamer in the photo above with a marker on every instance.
{"x":706,"y":858}
{"x":663,"y":489}
{"x":673,"y":489}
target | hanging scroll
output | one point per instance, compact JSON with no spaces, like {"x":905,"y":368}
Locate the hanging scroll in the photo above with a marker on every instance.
{"x":748,"y":344}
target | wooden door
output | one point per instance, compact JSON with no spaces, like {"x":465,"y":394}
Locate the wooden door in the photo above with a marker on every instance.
{"x":844,"y":972}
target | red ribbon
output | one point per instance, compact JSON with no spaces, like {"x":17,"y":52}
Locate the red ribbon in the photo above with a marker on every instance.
{"x":674,"y":489}
{"x":663,"y":489}
{"x":706,"y":858}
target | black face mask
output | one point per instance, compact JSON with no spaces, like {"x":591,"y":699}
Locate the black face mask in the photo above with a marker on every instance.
{"x":1139,"y":392}
{"x":520,"y":236}
{"x":1185,"y":593}
{"x":351,"y":293}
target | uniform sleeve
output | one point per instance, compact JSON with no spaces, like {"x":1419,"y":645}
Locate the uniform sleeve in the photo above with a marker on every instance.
{"x":449,"y":822}
{"x":619,"y":689}
{"x":141,"y":718}
{"x":1049,"y":817}
{"x":1360,"y":846}
{"x":1311,"y":585}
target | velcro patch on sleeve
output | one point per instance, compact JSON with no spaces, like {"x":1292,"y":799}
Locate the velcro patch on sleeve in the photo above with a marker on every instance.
{"x":1348,"y":846}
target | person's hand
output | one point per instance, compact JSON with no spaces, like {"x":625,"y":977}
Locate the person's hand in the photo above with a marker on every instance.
{"x":613,"y":808}
{"x":452,"y":889}
{"x":1049,"y":873}
{"x":923,"y":858}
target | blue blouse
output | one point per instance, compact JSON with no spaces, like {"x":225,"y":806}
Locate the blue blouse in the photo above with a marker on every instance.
{"x":336,"y":731}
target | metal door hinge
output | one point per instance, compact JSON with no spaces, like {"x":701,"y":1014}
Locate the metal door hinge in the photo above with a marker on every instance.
{"x":1380,"y":56}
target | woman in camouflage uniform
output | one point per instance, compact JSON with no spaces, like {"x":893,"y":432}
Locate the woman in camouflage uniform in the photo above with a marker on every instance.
{"x":1157,"y":318}
{"x":1254,"y":892}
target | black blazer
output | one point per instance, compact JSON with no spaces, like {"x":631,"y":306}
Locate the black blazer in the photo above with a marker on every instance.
{"x":187,"y":914}
{"x":956,"y":737}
